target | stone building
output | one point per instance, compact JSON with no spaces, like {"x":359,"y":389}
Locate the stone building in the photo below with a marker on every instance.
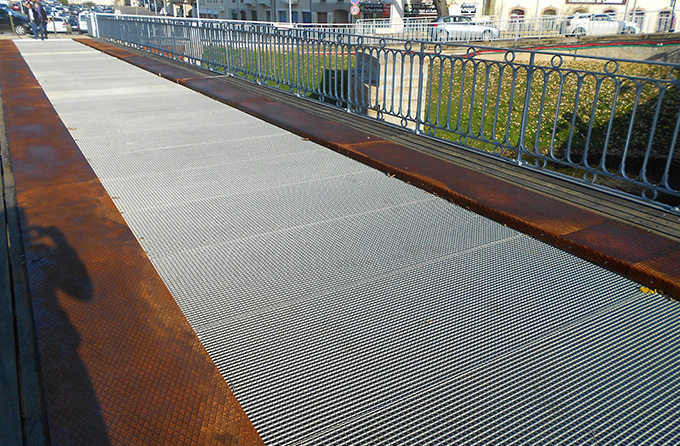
{"x":340,"y":11}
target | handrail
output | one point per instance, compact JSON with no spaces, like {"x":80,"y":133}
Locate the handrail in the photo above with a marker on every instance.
{"x":610,"y":124}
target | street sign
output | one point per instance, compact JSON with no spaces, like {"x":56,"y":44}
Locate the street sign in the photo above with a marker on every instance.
{"x":468,"y":9}
{"x":354,"y":2}
{"x":355,"y":10}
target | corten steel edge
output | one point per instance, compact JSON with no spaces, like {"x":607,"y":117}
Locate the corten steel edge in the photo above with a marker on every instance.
{"x":120,"y":364}
{"x":634,"y":251}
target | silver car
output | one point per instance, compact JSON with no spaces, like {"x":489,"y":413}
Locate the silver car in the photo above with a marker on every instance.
{"x":460,"y":27}
{"x":597,"y":25}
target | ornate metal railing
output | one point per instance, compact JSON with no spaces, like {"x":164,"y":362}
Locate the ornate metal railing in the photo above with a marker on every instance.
{"x":610,"y":124}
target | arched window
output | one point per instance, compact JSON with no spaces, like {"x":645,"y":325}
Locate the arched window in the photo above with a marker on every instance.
{"x":548,"y":22}
{"x":516,"y":20}
{"x":664,"y":21}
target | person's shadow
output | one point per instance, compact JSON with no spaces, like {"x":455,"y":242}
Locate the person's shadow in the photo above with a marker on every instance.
{"x":56,"y":273}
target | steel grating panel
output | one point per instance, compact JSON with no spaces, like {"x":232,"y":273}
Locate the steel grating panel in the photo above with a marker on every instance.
{"x":608,"y":379}
{"x":343,"y":306}
{"x":230,"y":178}
{"x":175,"y":122}
{"x":347,"y":352}
{"x":156,"y":137}
{"x":144,"y":102}
{"x":195,"y":155}
{"x":251,"y":213}
{"x":255,"y":272}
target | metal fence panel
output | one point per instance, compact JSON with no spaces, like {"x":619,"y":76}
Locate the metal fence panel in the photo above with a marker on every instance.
{"x":606,"y":123}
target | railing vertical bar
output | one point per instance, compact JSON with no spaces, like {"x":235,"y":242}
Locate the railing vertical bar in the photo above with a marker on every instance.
{"x":521,"y":147}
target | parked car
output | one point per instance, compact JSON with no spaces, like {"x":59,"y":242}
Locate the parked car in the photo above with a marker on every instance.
{"x":597,"y":25}
{"x":20,"y":22}
{"x":58,"y":25}
{"x":460,"y":27}
{"x":83,"y":19}
{"x":73,"y":22}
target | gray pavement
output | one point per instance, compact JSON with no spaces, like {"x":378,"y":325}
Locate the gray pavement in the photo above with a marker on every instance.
{"x":344,"y":306}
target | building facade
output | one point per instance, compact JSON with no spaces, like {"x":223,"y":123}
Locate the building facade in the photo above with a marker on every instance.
{"x":341,"y":12}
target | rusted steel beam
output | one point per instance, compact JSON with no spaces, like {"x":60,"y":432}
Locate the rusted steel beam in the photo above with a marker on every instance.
{"x":120,"y":363}
{"x":643,"y":256}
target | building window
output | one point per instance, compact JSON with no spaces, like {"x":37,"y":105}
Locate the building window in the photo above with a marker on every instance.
{"x":322,"y":17}
{"x":253,"y":16}
{"x":548,"y":21}
{"x":306,"y":17}
{"x":664,"y":21}
{"x":283,"y":16}
{"x":638,"y":17}
{"x":517,"y":20}
{"x":269,"y":16}
{"x":294,"y":16}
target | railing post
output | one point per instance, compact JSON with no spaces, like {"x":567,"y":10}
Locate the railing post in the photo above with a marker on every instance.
{"x":419,"y":106}
{"x":527,"y":103}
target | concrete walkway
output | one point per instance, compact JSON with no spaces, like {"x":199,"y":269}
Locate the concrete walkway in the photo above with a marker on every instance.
{"x":340,"y":304}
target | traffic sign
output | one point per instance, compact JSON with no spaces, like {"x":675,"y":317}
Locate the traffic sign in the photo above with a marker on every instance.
{"x":354,"y":2}
{"x":355,"y":10}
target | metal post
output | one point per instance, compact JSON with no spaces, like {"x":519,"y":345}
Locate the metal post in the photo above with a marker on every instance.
{"x":527,"y":103}
{"x":421,"y":96}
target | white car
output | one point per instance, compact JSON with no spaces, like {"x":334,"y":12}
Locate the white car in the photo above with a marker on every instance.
{"x":460,"y":27}
{"x":58,"y":25}
{"x":597,"y":25}
{"x":83,"y":19}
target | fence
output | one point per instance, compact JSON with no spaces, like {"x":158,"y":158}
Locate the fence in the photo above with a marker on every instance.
{"x":518,"y":27}
{"x":608,"y":124}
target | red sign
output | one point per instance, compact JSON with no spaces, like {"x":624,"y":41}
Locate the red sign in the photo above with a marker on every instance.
{"x":355,"y":10}
{"x":386,"y":10}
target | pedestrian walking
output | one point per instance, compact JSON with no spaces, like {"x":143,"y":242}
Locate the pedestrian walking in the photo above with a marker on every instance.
{"x":31,"y":19}
{"x":40,"y":17}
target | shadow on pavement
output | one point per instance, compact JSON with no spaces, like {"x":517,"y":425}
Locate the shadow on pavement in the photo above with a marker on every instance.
{"x":59,"y":280}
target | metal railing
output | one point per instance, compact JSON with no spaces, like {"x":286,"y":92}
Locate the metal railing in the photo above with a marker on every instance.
{"x":514,"y":28}
{"x":611,"y":124}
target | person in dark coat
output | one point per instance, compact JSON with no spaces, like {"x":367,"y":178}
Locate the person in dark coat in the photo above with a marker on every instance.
{"x":40,"y":18}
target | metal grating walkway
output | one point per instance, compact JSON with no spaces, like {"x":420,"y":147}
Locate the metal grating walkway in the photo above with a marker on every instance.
{"x":344,"y":306}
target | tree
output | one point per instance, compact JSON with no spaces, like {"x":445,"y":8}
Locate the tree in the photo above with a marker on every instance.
{"x":442,"y":7}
